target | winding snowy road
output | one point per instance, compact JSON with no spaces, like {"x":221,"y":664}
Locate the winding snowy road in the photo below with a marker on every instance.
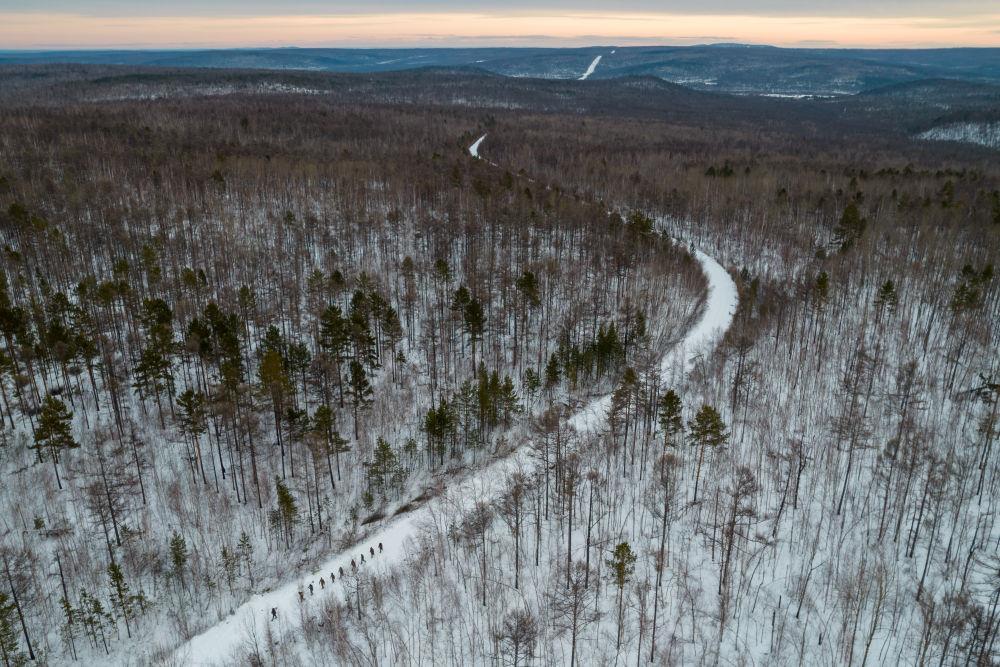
{"x":400,"y":536}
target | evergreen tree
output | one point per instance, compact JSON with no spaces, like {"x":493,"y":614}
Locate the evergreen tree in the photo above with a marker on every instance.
{"x":179,"y":558}
{"x":244,"y":551}
{"x":121,"y":596}
{"x":9,"y":648}
{"x":438,"y":425}
{"x":531,"y":383}
{"x":552,"y":373}
{"x":360,"y":392}
{"x":274,"y":382}
{"x":332,"y":441}
{"x":384,"y":471}
{"x":68,"y":629}
{"x":153,"y":373}
{"x":622,"y":565}
{"x":670,"y":419}
{"x":850,"y":228}
{"x":887,"y":299}
{"x":287,"y":510}
{"x":193,"y":421}
{"x":333,"y":340}
{"x":706,"y":430}
{"x":474,"y":322}
{"x":53,"y":433}
{"x":229,"y":562}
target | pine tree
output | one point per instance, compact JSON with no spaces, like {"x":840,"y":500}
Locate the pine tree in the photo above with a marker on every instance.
{"x":531,"y":383}
{"x":622,"y":564}
{"x":121,"y":596}
{"x":669,"y":414}
{"x":152,"y":374}
{"x":53,"y":433}
{"x":179,"y":557}
{"x":706,"y":430}
{"x":9,"y":648}
{"x":244,"y":551}
{"x":274,"y":382}
{"x":334,"y":443}
{"x":438,"y":425}
{"x":229,"y":563}
{"x":360,"y":391}
{"x":474,"y":322}
{"x":333,"y":341}
{"x":288,"y":510}
{"x":384,"y":470}
{"x":68,"y":629}
{"x":552,"y":373}
{"x":850,"y":228}
{"x":193,"y":421}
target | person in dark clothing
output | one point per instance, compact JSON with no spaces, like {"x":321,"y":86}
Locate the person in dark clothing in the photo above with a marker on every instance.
{"x":274,"y":613}
{"x":310,"y":589}
{"x":302,"y":596}
{"x":341,"y":573}
{"x":333,"y":578}
{"x":372,"y":551}
{"x":322,"y":583}
{"x":354,"y":565}
{"x":380,"y":547}
{"x":362,"y":559}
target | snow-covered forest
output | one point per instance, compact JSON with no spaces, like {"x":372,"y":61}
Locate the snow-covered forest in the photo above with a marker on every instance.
{"x":297,"y":378}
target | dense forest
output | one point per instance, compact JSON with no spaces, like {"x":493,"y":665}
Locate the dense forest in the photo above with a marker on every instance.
{"x":250,"y":327}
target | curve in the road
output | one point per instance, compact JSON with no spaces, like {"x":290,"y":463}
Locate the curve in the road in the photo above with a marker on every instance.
{"x":400,"y":537}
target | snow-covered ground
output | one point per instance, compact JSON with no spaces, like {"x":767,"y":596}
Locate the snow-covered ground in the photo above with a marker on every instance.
{"x":399,"y":538}
{"x":590,"y":70}
{"x":983,"y":134}
{"x":720,"y":306}
{"x":474,"y":148}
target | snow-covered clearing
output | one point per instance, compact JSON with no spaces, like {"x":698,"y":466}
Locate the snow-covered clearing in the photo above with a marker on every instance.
{"x":474,"y":148}
{"x":983,"y":134}
{"x":400,"y":537}
{"x":590,"y":70}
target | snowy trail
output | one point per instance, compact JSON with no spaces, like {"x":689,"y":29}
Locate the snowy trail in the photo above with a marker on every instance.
{"x":474,"y":148}
{"x":720,"y":307}
{"x":590,"y":70}
{"x":400,"y":537}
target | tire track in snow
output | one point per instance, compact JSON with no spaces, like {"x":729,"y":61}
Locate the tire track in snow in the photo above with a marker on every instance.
{"x":400,"y":537}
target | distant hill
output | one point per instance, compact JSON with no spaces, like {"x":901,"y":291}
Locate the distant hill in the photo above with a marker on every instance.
{"x":724,"y":67}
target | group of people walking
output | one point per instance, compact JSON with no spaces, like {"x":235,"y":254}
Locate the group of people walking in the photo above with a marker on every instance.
{"x":333,"y":578}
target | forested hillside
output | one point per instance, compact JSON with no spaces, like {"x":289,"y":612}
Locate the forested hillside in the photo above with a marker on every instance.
{"x":246,"y":332}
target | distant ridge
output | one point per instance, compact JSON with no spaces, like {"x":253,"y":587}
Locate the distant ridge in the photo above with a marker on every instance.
{"x":724,"y":66}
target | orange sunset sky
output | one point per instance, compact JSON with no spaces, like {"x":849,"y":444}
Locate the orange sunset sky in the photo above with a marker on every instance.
{"x":182,"y":24}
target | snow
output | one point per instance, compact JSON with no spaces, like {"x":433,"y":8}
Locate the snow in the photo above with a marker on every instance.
{"x":590,"y":70}
{"x":474,"y":148}
{"x":983,"y":134}
{"x":400,"y":538}
{"x":720,"y":308}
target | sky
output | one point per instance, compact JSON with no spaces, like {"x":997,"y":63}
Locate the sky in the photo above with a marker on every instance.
{"x":96,"y":24}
